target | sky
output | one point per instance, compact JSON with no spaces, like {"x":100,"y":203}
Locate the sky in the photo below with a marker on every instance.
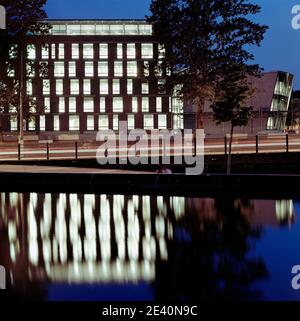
{"x":280,"y":49}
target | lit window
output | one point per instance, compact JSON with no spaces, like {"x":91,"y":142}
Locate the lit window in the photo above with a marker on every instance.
{"x":145,"y":104}
{"x":61,"y":51}
{"x":87,"y":29}
{"x":30,"y":71}
{"x":86,"y":86}
{"x":178,"y":122}
{"x":117,"y":29}
{"x":146,"y":69}
{"x":131,"y":122}
{"x":45,"y":52}
{"x":42,"y":123}
{"x":59,"y":87}
{"x":90,"y":122}
{"x":46,"y":86}
{"x":145,"y":29}
{"x":103,"y":69}
{"x":158,"y":104}
{"x":116,"y":122}
{"x":73,"y":29}
{"x":61,"y":105}
{"x":132,"y":69}
{"x":131,"y":52}
{"x":118,"y":69}
{"x":75,"y":51}
{"x":119,"y":51}
{"x":88,"y":105}
{"x":59,"y":29}
{"x":145,"y":88}
{"x":148,"y":121}
{"x":102,"y":29}
{"x":135,"y":108}
{"x":29,"y":87}
{"x":129,"y":86}
{"x":74,"y":89}
{"x":53,"y":51}
{"x":116,"y":86}
{"x":147,"y":50}
{"x":47,"y":105}
{"x":88,"y":51}
{"x":56,"y":122}
{"x":162,"y":121}
{"x":31,"y":52}
{"x":103,"y":122}
{"x":72,"y":104}
{"x":89,"y":69}
{"x":103,"y":53}
{"x":74,"y":122}
{"x":102,"y":105}
{"x":104,"y":86}
{"x":31,"y":124}
{"x":117,"y":104}
{"x":161,"y":51}
{"x":72,"y":69}
{"x":131,"y":30}
{"x":59,"y":69}
{"x":13,"y":123}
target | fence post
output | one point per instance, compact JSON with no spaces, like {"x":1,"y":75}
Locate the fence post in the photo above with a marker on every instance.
{"x":287,"y":142}
{"x":19,"y":151}
{"x":76,"y":150}
{"x":225,"y":144}
{"x":48,"y":153}
{"x":256,"y":143}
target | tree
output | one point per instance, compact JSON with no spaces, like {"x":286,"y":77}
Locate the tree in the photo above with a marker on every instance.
{"x":202,"y":37}
{"x":24,"y":19}
{"x":233,"y":92}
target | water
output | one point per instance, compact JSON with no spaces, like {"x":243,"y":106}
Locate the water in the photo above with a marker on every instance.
{"x":116,"y":247}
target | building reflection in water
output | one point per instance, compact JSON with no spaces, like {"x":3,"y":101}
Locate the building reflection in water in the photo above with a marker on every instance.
{"x":79,"y":239}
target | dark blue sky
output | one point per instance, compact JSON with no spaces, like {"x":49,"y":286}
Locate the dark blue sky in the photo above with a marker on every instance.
{"x":279,"y":51}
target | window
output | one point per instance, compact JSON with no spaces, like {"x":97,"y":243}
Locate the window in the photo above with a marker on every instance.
{"x":102,"y":105}
{"x":118,"y":69}
{"x":90,"y":122}
{"x":59,"y":69}
{"x":119,"y":51}
{"x":161,"y":51}
{"x":30,"y":71}
{"x":46,"y":87}
{"x":103,"y":122}
{"x":132,"y":69}
{"x":31,"y":52}
{"x":88,"y":51}
{"x":72,"y":104}
{"x":29,"y":87}
{"x":145,"y":29}
{"x":145,"y":88}
{"x":148,"y":121}
{"x":103,"y":69}
{"x":131,"y":52}
{"x":146,"y":69}
{"x":47,"y":104}
{"x":102,"y":30}
{"x":74,"y":122}
{"x":86,"y":86}
{"x":162,"y":121}
{"x":72,"y":69}
{"x":161,"y":86}
{"x":158,"y":104}
{"x":103,"y":51}
{"x":117,"y":104}
{"x":131,"y":30}
{"x":45,"y":52}
{"x":73,"y":29}
{"x":145,"y":104}
{"x":88,"y":105}
{"x":75,"y":51}
{"x":147,"y":50}
{"x":135,"y":108}
{"x":116,"y":87}
{"x":129,"y":86}
{"x":31,"y":124}
{"x":116,"y":122}
{"x":87,"y":29}
{"x":89,"y":69}
{"x":61,"y":51}
{"x":131,"y":122}
{"x":61,"y":105}
{"x":42,"y":123}
{"x":117,"y":29}
{"x":53,"y":51}
{"x":104,"y":86}
{"x":59,"y":87}
{"x":13,"y":123}
{"x":56,"y":122}
{"x":74,"y":89}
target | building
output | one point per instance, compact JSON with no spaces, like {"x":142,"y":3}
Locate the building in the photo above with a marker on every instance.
{"x":99,"y":73}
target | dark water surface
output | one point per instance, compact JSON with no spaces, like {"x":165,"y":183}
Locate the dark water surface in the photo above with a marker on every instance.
{"x":116,"y":247}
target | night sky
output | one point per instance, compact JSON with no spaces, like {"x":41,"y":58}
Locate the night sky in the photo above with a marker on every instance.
{"x":279,"y":51}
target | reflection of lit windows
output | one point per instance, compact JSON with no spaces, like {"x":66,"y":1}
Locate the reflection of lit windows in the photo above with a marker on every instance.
{"x":116,"y":86}
{"x":74,"y":122}
{"x":74,"y":88}
{"x":46,"y":86}
{"x":86,"y":86}
{"x":31,"y":52}
{"x":72,"y":104}
{"x":75,"y":51}
{"x":131,"y":51}
{"x":103,"y":53}
{"x":132,"y":69}
{"x":145,"y":104}
{"x":119,"y":51}
{"x":103,"y":122}
{"x":61,"y":51}
{"x":131,"y":122}
{"x":88,"y":51}
{"x":117,"y":104}
{"x":103,"y":69}
{"x":147,"y":50}
{"x":88,"y":105}
{"x":89,"y":69}
{"x":42,"y":123}
{"x":116,"y":122}
{"x":72,"y":69}
{"x":90,"y":122}
{"x":158,"y":104}
{"x":118,"y":68}
{"x":129,"y":86}
{"x":102,"y":105}
{"x":148,"y":121}
{"x":135,"y":105}
{"x":104,"y":86}
{"x":59,"y":87}
{"x":59,"y":69}
{"x":45,"y":52}
{"x":61,"y":105}
{"x":162,"y":121}
{"x":56,"y":122}
{"x":145,"y":88}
